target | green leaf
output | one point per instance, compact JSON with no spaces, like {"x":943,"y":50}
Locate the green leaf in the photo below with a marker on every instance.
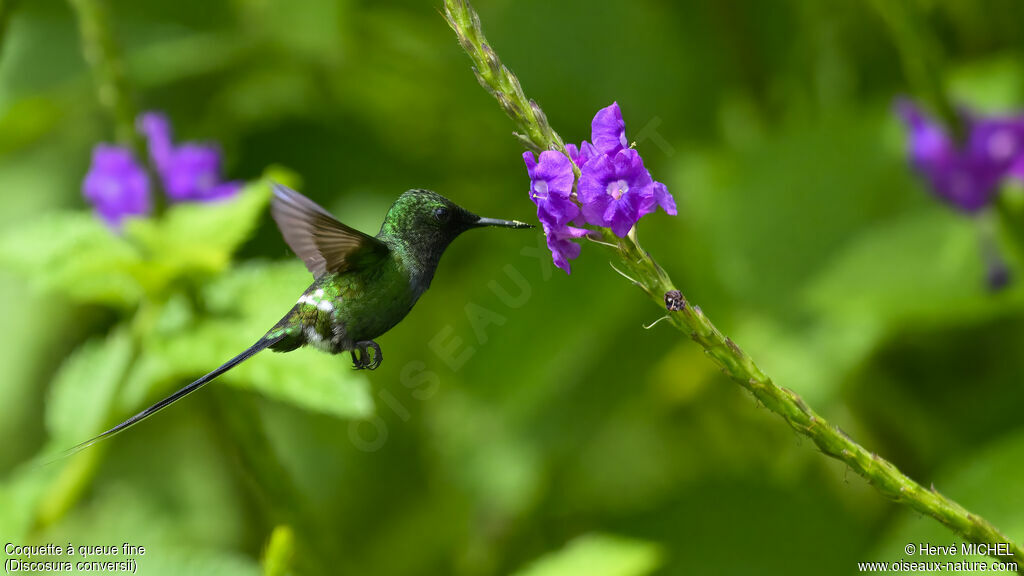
{"x":82,"y":391}
{"x":189,"y":520}
{"x":78,"y":407}
{"x":26,"y":121}
{"x":244,"y":304}
{"x":75,"y":255}
{"x":20,"y":494}
{"x":280,"y":552}
{"x":197,"y":238}
{"x":598,"y":555}
{"x":925,"y":267}
{"x":992,"y":85}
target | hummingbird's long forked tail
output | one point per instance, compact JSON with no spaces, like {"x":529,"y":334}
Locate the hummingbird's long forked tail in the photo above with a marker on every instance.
{"x":264,"y":343}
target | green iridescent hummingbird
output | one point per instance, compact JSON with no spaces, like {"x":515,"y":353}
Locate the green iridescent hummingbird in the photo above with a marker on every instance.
{"x":363,"y":285}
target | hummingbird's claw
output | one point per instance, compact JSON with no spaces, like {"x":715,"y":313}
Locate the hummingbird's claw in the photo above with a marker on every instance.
{"x":364,"y":359}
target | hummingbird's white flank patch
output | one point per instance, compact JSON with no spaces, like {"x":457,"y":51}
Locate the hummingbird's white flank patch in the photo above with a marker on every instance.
{"x":317,"y":299}
{"x":314,"y":338}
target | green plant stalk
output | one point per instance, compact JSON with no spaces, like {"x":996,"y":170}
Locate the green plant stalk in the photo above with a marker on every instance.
{"x":645,"y":273}
{"x":102,"y":55}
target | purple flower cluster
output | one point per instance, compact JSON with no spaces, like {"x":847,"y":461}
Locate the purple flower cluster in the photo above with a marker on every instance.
{"x":966,"y":175}
{"x":614,"y":188}
{"x":190,"y":172}
{"x":117,"y":184}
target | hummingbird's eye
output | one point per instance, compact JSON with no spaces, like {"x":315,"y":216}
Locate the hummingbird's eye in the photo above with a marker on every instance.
{"x":441,"y":214}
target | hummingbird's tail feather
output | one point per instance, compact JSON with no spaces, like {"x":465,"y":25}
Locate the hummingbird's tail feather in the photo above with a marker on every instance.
{"x":264,"y":343}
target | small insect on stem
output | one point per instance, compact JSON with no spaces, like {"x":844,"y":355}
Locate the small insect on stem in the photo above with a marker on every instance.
{"x":674,"y":301}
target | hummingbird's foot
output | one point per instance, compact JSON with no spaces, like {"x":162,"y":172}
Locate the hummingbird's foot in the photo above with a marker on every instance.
{"x":364,"y":359}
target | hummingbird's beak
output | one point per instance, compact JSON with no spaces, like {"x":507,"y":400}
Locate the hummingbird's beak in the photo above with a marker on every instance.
{"x":502,"y":223}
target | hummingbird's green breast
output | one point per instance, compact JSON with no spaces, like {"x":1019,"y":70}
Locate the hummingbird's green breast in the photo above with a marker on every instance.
{"x":371,"y":301}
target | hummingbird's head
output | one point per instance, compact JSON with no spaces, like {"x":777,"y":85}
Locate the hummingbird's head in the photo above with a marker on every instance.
{"x":427,"y":220}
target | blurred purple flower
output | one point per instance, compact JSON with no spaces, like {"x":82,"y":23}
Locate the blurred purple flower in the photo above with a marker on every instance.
{"x":966,"y":176}
{"x":116,"y":185}
{"x":190,"y":172}
{"x":560,"y":242}
{"x":551,"y":180}
{"x":616,"y":191}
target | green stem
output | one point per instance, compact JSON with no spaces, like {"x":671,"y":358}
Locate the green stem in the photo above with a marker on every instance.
{"x":1009,"y":217}
{"x":645,"y":273}
{"x":832,"y":441}
{"x":102,"y":55}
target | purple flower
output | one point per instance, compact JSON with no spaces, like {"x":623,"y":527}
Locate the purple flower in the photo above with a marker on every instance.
{"x":663,"y":199}
{"x":581,"y":155}
{"x":551,"y":180}
{"x":116,"y":185}
{"x":615,"y":191}
{"x":966,"y":176}
{"x":560,"y":242}
{"x":608,"y":130}
{"x":190,"y":172}
{"x":157,"y":132}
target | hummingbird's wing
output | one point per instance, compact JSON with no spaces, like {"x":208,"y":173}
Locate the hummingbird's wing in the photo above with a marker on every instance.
{"x":323,"y":243}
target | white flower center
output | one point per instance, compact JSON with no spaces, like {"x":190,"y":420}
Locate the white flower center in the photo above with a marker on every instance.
{"x":1002,"y":145}
{"x":617,"y":189}
{"x":540,"y":189}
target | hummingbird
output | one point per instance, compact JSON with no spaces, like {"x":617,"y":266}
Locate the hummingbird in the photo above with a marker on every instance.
{"x":362,"y":285}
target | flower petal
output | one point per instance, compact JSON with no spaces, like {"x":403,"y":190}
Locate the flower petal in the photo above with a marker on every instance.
{"x":531,"y":163}
{"x":563,"y":249}
{"x":156,"y":129}
{"x":193,"y":172}
{"x":556,"y":211}
{"x":594,"y":178}
{"x":664,"y":198}
{"x":116,"y":185}
{"x":190,"y":172}
{"x":608,"y":130}
{"x":556,"y":169}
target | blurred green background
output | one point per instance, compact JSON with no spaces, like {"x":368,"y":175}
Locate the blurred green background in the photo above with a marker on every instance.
{"x":569,"y":440}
